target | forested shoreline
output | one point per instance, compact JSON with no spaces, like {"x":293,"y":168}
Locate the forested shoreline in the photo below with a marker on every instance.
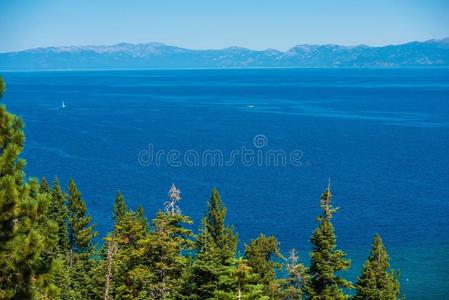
{"x":47,"y":248}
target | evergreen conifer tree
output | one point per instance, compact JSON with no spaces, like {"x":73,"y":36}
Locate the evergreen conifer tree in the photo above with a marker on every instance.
{"x":214,"y":231}
{"x":59,"y":213}
{"x":141,"y":217}
{"x":122,"y":273}
{"x":81,"y":231}
{"x":25,"y":232}
{"x":376,"y":282}
{"x":261,"y":254}
{"x":165,"y":250}
{"x":326,"y":259}
{"x":239,"y":282}
{"x":81,"y":250}
{"x":36,"y":212}
{"x":216,"y":246}
{"x":119,"y":208}
{"x":44,"y":187}
{"x":11,"y":194}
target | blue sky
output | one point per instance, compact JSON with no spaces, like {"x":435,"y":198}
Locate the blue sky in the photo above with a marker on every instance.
{"x":200,"y":24}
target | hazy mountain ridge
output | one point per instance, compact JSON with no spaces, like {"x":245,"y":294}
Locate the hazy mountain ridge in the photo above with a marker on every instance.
{"x":157,"y":55}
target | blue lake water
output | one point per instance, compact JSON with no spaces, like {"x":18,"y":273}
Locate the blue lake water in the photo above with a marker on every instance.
{"x":381,"y":135}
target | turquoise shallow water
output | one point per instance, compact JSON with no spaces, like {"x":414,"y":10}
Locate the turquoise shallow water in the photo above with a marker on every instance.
{"x":382,"y":135}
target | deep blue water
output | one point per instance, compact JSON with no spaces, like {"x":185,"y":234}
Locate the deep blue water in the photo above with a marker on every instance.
{"x":381,"y":135}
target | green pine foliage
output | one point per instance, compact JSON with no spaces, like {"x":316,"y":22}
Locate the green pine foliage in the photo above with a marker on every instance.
{"x":47,"y":248}
{"x":216,"y":246}
{"x":215,"y":233}
{"x":12,"y":192}
{"x":239,"y":282}
{"x":376,"y":280}
{"x":81,"y":261}
{"x":119,"y":208}
{"x":26,"y":233}
{"x":58,"y":212}
{"x":44,"y":187}
{"x":65,"y":279}
{"x":261,"y":255}
{"x":164,"y":248}
{"x":325,"y":259}
{"x":81,"y":231}
{"x":124,"y":274}
{"x":131,"y":274}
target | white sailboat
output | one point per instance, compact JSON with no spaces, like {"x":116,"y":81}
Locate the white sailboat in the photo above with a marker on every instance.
{"x":63,"y":104}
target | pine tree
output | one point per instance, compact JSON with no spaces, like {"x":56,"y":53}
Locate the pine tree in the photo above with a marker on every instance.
{"x":376,"y":282}
{"x":82,"y":253}
{"x":214,"y":232}
{"x":150,"y":263}
{"x":261,"y":254}
{"x":11,"y":193}
{"x":326,"y":260}
{"x":121,"y":273}
{"x":65,"y":279}
{"x":239,"y":282}
{"x":215,"y":248}
{"x":25,"y":232}
{"x":44,"y":268}
{"x":119,"y":208}
{"x":164,"y":250}
{"x":81,"y":232}
{"x":44,"y":187}
{"x":59,"y":213}
{"x":141,"y":217}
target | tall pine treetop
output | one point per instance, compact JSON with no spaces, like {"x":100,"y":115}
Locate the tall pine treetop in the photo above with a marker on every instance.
{"x":376,"y":281}
{"x":44,"y":187}
{"x":214,"y":228}
{"x":119,"y":207}
{"x":81,"y":232}
{"x":216,"y":246}
{"x":58,"y":211}
{"x":326,"y":204}
{"x":379,"y":254}
{"x":326,"y":259}
{"x":215,"y":217}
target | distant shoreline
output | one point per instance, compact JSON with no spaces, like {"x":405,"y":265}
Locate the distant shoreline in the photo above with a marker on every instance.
{"x":160,"y":56}
{"x":224,"y":69}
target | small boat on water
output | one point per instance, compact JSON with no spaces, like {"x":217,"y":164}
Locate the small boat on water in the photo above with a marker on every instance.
{"x":63,"y":105}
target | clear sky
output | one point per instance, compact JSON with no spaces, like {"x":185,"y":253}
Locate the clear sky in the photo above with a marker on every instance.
{"x":199,"y":24}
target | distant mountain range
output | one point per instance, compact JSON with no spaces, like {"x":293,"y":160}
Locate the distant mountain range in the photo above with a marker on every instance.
{"x":157,"y":55}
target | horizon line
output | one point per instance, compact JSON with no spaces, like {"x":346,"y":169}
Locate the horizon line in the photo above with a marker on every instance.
{"x":224,"y":68}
